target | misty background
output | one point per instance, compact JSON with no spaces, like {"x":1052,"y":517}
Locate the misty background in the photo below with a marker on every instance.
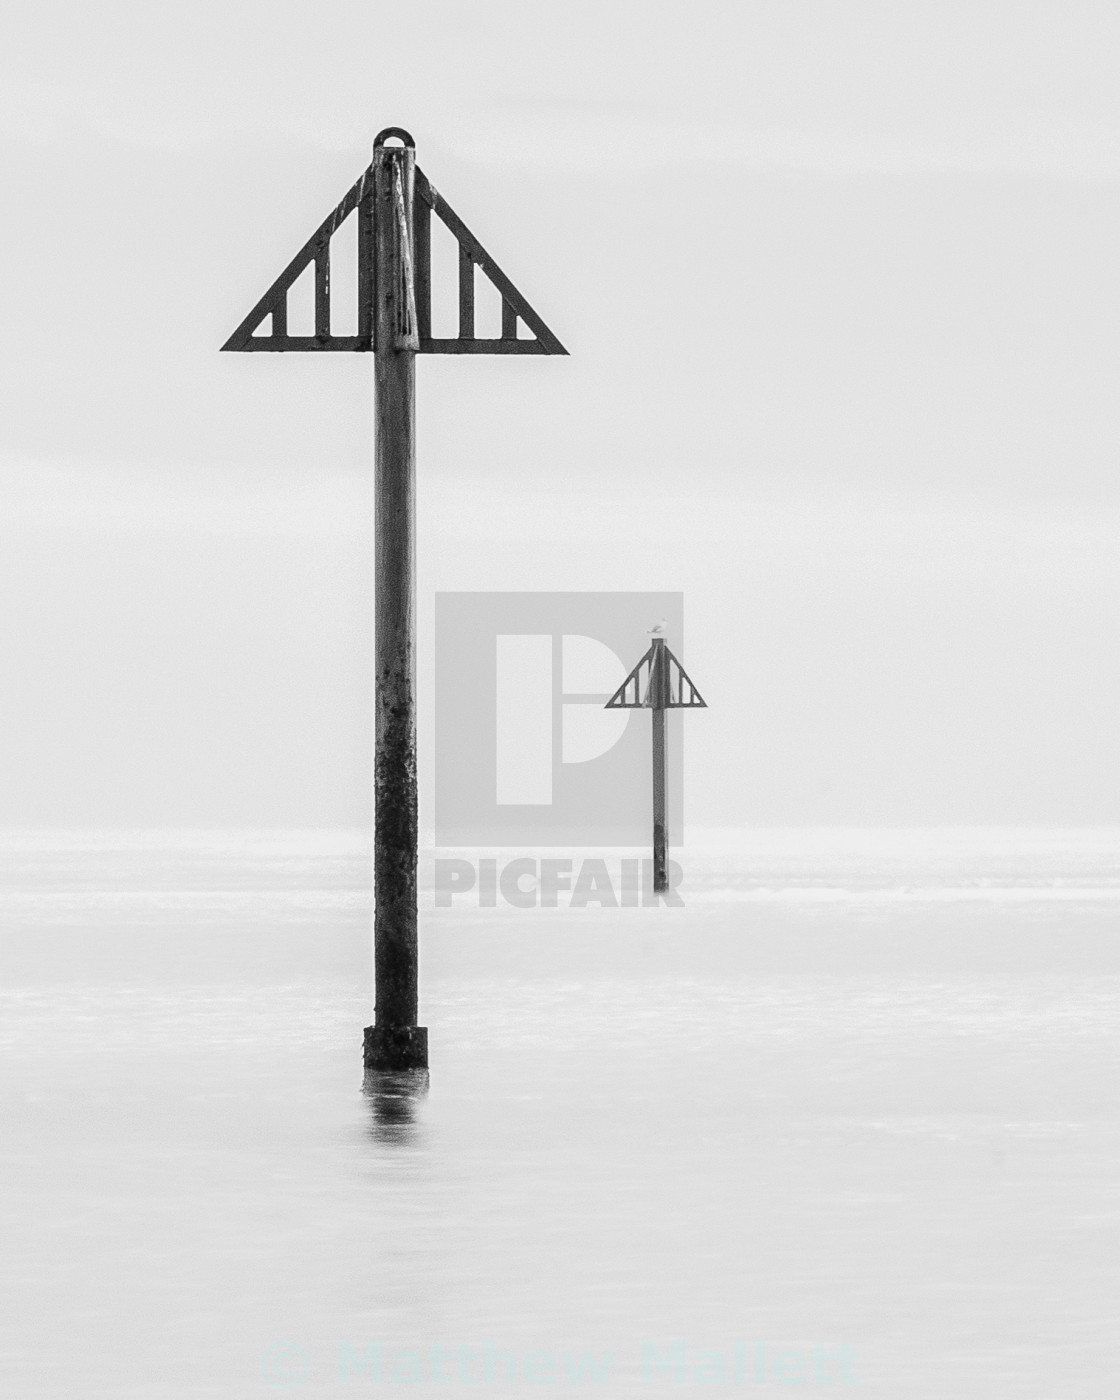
{"x":839,"y":285}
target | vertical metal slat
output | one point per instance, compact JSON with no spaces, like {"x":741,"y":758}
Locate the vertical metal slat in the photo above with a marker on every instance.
{"x":466,"y":295}
{"x":323,"y":290}
{"x":422,"y":237}
{"x":367,"y":267}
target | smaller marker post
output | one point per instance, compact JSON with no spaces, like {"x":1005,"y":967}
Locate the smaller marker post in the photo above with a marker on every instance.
{"x":658,"y":683}
{"x":658,"y":699}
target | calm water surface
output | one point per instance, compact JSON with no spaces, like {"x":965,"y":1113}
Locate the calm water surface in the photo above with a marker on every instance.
{"x":850,"y":1118}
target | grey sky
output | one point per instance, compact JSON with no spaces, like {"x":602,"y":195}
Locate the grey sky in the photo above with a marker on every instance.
{"x":840,"y":288}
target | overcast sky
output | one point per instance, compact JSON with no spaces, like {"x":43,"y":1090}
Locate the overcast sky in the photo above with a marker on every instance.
{"x":840,"y":286}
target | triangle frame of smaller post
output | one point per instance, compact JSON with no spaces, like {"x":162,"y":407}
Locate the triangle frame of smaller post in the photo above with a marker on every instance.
{"x":621,"y":699}
{"x":686,"y":699}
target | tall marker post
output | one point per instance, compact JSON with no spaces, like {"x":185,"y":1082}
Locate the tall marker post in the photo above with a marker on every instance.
{"x":395,"y":1041}
{"x":658,"y":683}
{"x":393,"y":202}
{"x":657,"y":701}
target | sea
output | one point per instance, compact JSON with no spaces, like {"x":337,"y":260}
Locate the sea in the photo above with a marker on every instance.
{"x":842,"y":1118}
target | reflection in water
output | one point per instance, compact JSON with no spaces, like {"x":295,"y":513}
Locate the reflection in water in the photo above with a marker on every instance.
{"x":393,"y":1096}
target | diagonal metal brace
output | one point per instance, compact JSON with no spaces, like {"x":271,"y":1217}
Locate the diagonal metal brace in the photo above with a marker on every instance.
{"x":274,"y":300}
{"x":472,"y":251}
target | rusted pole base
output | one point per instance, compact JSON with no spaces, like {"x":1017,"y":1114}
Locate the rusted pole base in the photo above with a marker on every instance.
{"x":395,"y":1048}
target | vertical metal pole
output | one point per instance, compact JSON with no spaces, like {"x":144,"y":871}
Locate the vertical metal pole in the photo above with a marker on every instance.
{"x":658,"y":684}
{"x":395,"y":1041}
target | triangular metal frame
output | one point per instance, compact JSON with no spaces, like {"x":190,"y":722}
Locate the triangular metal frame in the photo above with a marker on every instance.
{"x":675,"y":690}
{"x":427,"y":201}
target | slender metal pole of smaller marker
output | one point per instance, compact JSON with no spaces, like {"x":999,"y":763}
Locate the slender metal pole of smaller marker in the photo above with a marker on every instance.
{"x":395,"y":1041}
{"x":658,"y":684}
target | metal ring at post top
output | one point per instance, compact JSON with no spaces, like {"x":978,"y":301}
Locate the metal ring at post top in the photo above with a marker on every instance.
{"x":397,"y":131}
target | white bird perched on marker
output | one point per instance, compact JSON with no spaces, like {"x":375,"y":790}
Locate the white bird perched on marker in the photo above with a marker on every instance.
{"x":658,"y":629}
